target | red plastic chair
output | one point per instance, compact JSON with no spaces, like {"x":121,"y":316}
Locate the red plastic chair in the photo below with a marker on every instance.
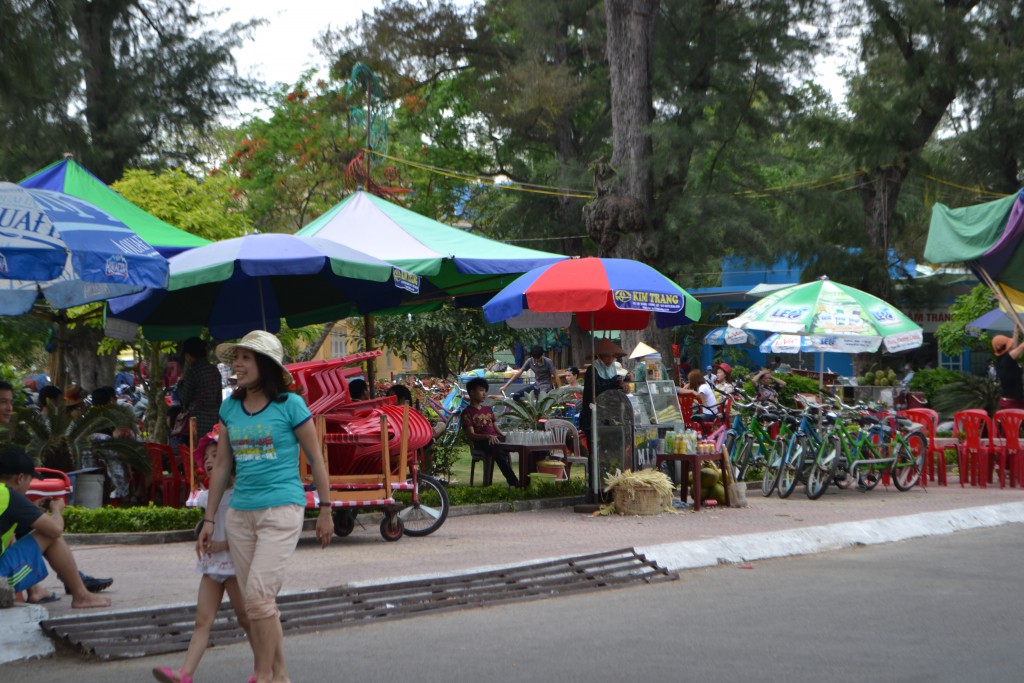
{"x":934,"y":457}
{"x":1008,"y":423}
{"x":973,"y":450}
{"x":686,"y":407}
{"x":165,"y":473}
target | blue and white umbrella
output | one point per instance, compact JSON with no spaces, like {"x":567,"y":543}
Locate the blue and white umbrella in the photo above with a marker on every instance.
{"x":69,"y":251}
{"x":731,"y":336}
{"x":996,"y":320}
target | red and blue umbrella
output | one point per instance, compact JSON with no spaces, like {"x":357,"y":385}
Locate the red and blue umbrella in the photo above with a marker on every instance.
{"x":603,"y":293}
{"x":68,"y":250}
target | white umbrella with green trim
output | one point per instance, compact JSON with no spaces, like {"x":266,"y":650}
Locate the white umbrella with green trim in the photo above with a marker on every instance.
{"x":850,"y":320}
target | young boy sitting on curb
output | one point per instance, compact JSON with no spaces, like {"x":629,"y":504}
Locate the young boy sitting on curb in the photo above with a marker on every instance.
{"x":38,"y":535}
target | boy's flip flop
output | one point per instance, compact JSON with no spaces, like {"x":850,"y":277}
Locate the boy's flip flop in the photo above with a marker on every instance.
{"x":52,"y":597}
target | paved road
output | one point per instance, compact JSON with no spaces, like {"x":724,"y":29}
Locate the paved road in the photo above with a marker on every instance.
{"x":147,"y":576}
{"x":943,"y":608}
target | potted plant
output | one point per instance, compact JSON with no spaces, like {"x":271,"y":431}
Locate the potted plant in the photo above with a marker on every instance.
{"x":62,"y":440}
{"x":529,"y":411}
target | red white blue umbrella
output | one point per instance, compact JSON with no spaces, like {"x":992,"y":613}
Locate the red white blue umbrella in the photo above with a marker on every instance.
{"x":604,"y":293}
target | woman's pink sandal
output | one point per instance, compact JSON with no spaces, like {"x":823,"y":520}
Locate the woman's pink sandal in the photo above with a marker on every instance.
{"x":169,"y":675}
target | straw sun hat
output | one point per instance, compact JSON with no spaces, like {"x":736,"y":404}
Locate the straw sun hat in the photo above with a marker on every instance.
{"x":607,"y":346}
{"x":261,"y":342}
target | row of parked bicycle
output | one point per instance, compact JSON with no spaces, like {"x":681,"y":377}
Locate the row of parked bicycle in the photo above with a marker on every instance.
{"x":824,"y":443}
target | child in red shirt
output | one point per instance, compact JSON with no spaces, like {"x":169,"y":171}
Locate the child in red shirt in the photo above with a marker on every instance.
{"x":481,"y":428}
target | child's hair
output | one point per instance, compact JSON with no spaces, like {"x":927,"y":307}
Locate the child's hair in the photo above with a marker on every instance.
{"x":401,"y":393}
{"x":477,"y":382}
{"x":573,"y":370}
{"x":357,"y":389}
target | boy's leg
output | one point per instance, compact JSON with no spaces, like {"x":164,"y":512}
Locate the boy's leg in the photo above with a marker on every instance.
{"x":504,"y":464}
{"x":58,"y":554}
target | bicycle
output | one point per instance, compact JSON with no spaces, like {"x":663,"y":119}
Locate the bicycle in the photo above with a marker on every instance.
{"x":448,"y":410}
{"x":865,"y":453}
{"x":803,"y":444}
{"x":747,"y":443}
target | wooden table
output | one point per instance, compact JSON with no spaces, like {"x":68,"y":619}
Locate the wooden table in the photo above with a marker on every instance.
{"x":525,"y":451}
{"x":691,"y":462}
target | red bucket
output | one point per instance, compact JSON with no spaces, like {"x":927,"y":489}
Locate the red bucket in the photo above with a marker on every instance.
{"x":55,"y":485}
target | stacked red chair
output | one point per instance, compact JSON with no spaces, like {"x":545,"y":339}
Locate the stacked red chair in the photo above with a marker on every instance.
{"x":974,"y":428}
{"x":934,"y":457}
{"x":1007,"y":423}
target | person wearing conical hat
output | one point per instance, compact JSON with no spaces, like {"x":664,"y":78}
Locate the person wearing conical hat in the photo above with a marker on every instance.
{"x":601,"y":376}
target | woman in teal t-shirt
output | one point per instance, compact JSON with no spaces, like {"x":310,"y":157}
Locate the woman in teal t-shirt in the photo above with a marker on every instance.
{"x":264,"y":425}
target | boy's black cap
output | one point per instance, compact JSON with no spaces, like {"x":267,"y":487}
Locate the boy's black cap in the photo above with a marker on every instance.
{"x":14,"y":460}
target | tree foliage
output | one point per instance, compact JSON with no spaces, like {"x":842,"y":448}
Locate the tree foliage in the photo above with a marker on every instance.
{"x":116,"y":82}
{"x":448,"y":341}
{"x":954,"y":335}
{"x":207,"y":209}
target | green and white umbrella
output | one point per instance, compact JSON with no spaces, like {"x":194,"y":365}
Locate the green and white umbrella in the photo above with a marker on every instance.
{"x":841,"y":319}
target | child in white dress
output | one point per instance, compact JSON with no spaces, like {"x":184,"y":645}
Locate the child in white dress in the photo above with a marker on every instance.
{"x":217,"y":576}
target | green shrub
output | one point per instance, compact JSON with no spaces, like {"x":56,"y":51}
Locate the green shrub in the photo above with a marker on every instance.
{"x":930,"y":381}
{"x":795,"y":384}
{"x":497,"y":493}
{"x":109,"y":520}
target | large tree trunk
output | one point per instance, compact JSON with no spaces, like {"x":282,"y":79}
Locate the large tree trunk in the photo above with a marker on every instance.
{"x":85,"y":367}
{"x":618,"y":220}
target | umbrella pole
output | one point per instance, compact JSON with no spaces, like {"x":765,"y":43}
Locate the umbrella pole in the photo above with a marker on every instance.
{"x":998,"y":291}
{"x":263,"y":311}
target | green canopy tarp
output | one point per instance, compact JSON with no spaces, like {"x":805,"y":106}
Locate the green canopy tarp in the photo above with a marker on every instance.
{"x":70,"y":177}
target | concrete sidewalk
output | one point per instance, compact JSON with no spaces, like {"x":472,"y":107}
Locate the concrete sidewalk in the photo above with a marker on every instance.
{"x":154,"y":575}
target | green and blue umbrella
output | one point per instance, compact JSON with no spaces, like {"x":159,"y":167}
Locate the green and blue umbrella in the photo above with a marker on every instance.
{"x":246,"y":283}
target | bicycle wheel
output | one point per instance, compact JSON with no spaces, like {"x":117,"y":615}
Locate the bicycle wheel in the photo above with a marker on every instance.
{"x":729,"y":446}
{"x":789,"y":475}
{"x":742,"y":461}
{"x":428,"y":510}
{"x":906,"y":466}
{"x":770,"y":478}
{"x":823,"y":469}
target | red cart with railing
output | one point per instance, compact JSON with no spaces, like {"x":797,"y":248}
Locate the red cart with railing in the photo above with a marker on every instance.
{"x":372,"y":450}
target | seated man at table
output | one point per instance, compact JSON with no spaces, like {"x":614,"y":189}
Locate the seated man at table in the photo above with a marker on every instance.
{"x":482,"y":430}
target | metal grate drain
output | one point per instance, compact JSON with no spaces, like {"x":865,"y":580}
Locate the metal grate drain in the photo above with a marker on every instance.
{"x":148,"y":632}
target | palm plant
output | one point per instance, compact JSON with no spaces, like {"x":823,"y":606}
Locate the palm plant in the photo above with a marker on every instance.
{"x":61,"y":439}
{"x":969,"y":391}
{"x":528,"y":411}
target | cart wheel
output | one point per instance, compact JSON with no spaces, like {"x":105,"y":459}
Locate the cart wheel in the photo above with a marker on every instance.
{"x":429,"y":509}
{"x":391,"y":527}
{"x":344,"y":521}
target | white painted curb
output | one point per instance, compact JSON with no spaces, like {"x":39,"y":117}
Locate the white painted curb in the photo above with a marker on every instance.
{"x":20,"y":635}
{"x":815,"y":539}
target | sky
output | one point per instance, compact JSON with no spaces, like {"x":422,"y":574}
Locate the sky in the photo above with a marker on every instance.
{"x":283,"y":48}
